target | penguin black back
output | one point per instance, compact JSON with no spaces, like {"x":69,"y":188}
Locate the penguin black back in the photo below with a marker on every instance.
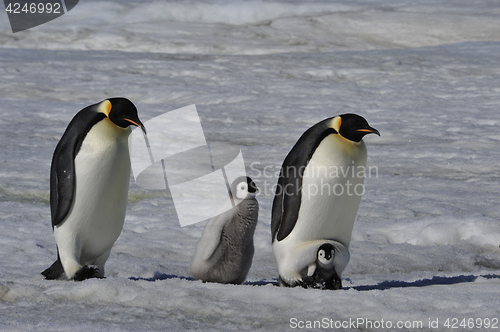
{"x":286,"y":203}
{"x":62,"y":173}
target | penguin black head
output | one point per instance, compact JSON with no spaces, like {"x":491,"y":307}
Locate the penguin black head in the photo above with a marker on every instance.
{"x":244,"y":187}
{"x":353,"y":127}
{"x":326,"y":254}
{"x":122,"y":112}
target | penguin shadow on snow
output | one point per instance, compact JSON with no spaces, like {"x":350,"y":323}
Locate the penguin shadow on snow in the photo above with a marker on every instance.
{"x":384,"y":285}
{"x":163,"y":276}
{"x":436,"y":280}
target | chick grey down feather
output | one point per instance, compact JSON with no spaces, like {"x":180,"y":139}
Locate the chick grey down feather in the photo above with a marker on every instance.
{"x":225,"y":251}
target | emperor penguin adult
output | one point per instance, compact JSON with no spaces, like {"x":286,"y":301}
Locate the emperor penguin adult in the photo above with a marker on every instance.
{"x":89,"y":180}
{"x":225,"y":251}
{"x":317,"y":198}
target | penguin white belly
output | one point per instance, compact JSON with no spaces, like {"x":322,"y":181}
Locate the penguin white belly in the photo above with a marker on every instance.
{"x":95,"y":220}
{"x":331,"y":192}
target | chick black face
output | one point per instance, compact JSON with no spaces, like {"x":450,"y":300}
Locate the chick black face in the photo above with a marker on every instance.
{"x":355,"y":127}
{"x":244,"y":187}
{"x":123,"y":113}
{"x":252,"y":187}
{"x":326,"y":254}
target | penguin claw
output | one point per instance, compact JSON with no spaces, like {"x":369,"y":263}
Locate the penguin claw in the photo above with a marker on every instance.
{"x":87,"y":272}
{"x":283,"y":283}
{"x":304,"y":283}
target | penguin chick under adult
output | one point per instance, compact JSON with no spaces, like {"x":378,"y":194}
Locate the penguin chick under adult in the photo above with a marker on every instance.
{"x":310,"y":268}
{"x":89,"y":179}
{"x":318,"y":194}
{"x":225,"y":251}
{"x":322,"y":273}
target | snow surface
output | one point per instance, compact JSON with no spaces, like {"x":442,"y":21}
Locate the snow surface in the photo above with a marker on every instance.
{"x":424,"y":73}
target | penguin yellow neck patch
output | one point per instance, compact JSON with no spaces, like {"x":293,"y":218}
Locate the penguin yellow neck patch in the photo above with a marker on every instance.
{"x":335,"y":124}
{"x":105,"y":107}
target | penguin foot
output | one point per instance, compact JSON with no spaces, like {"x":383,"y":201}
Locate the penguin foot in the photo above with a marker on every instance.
{"x":283,"y":283}
{"x":307,"y":282}
{"x":86,"y":272}
{"x":295,"y":283}
{"x":315,"y":282}
{"x":333,"y":283}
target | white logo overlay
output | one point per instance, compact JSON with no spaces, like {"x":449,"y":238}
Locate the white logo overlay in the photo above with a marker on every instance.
{"x":175,"y":156}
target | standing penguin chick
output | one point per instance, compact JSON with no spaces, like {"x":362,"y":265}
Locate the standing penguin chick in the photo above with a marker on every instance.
{"x":318,"y":194}
{"x":89,"y":180}
{"x":225,"y":251}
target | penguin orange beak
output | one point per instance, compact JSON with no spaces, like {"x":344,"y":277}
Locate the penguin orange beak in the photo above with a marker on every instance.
{"x":140,"y":125}
{"x":369,"y":131}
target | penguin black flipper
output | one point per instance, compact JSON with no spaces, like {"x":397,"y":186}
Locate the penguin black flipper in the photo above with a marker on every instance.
{"x":277,"y":209}
{"x":286,"y":203}
{"x":62,"y":171}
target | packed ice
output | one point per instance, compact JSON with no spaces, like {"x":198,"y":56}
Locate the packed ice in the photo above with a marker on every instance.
{"x":425,"y":245}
